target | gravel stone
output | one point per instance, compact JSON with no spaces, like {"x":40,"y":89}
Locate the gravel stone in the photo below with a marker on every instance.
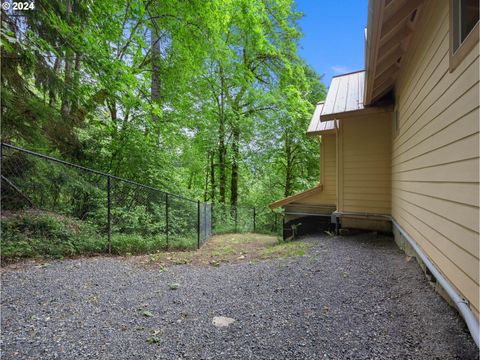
{"x":222,"y":321}
{"x":355,"y":297}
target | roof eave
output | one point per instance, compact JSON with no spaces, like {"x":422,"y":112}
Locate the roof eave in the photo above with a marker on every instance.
{"x":321,"y":132}
{"x":295,"y":197}
{"x":389,"y":31}
{"x":365,"y":111}
{"x":372,"y":38}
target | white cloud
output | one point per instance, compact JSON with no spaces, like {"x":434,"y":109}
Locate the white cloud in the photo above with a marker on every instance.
{"x":339,"y":69}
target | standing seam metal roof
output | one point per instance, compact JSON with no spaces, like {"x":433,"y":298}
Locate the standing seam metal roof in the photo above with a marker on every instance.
{"x":316,"y":126}
{"x":345,"y":94}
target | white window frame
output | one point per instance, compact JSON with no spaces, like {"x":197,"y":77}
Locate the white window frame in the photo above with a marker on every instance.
{"x":462,"y":50}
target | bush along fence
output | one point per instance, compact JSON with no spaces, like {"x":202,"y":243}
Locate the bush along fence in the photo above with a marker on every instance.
{"x":54,"y":208}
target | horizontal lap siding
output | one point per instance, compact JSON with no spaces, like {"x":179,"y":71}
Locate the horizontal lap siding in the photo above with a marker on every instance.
{"x":435,"y":154}
{"x":328,"y":194}
{"x":330,"y":178}
{"x":367,"y":164}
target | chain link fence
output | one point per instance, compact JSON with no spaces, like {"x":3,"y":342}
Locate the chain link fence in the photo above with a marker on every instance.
{"x":241,"y":219}
{"x":72,"y":210}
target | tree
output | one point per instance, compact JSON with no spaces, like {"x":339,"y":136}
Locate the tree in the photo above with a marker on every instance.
{"x":207,"y":99}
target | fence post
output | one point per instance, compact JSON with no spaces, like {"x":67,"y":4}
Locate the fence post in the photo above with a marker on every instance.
{"x":198,"y":224}
{"x":254,"y":220}
{"x":109,"y":217}
{"x":205,"y":219}
{"x":167,"y":230}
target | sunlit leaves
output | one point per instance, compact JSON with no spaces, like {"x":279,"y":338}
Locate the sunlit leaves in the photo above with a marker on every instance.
{"x":246,"y":49}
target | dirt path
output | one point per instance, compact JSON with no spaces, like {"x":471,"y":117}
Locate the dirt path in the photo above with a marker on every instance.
{"x":229,"y":249}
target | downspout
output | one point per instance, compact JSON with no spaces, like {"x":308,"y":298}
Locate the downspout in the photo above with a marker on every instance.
{"x":462,"y":304}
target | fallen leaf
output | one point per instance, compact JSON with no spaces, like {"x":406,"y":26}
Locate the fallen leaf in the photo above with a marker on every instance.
{"x":147,"y":313}
{"x":173,"y":286}
{"x":153,"y":340}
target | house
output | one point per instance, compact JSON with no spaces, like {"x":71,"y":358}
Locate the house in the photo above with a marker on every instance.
{"x":400,"y":142}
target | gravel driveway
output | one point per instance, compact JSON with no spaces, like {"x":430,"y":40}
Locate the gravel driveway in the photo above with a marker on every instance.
{"x":353,"y":297}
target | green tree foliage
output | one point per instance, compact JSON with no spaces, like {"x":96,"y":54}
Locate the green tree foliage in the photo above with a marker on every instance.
{"x":204,"y":98}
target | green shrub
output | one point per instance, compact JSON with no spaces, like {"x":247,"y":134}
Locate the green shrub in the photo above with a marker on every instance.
{"x":139,"y":220}
{"x":185,"y":241}
{"x":136,"y":244}
{"x":37,"y":233}
{"x":43,"y":234}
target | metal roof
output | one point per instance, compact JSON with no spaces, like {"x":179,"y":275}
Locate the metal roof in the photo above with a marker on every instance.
{"x":318,"y":127}
{"x":344,"y":95}
{"x":296,"y":197}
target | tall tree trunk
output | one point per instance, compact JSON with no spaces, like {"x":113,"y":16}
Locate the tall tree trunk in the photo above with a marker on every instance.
{"x":67,"y":86}
{"x":52,"y":93}
{"x":155,"y":61}
{"x":190,"y":180}
{"x":207,"y":174}
{"x":222,"y":154}
{"x":64,"y":108}
{"x":222,"y":150}
{"x":235,"y":159}
{"x":212,"y":176}
{"x":75,"y":85}
{"x":112,"y":107}
{"x":288,"y":167}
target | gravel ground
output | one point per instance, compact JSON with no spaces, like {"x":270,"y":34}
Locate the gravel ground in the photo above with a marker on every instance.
{"x":353,"y":297}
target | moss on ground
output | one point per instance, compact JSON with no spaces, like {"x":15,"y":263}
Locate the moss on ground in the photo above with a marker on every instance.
{"x":231,"y":248}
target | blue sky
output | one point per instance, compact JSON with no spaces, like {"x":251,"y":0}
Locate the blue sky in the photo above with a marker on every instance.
{"x":333,"y":40}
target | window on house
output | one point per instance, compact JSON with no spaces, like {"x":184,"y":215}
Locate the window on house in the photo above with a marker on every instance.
{"x":463,"y":29}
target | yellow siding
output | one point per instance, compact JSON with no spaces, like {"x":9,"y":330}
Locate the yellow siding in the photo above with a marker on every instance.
{"x":327,"y":173}
{"x":365,"y":152}
{"x":435,"y":155}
